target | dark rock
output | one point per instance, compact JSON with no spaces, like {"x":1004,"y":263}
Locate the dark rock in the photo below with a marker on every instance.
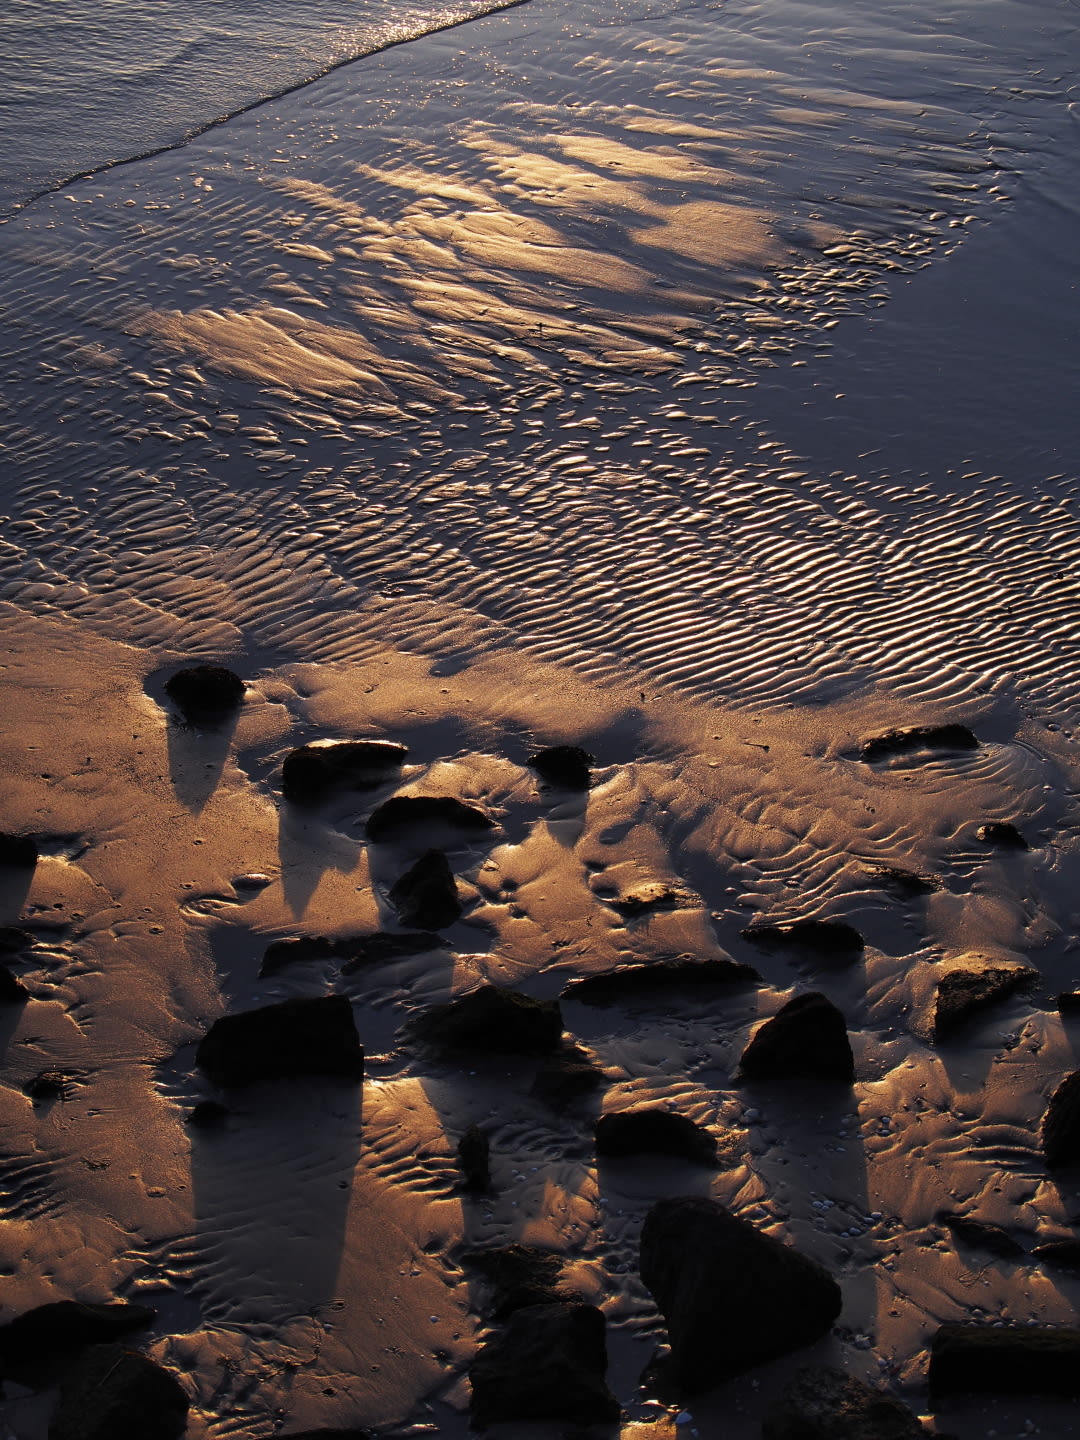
{"x":280,"y":953}
{"x":548,"y":1363}
{"x":1001,"y":834}
{"x":494,"y":1020}
{"x":48,"y":1085}
{"x":402,"y":811}
{"x":426,"y":895}
{"x":1061,"y":1125}
{"x":906,"y":883}
{"x":42,"y":1343}
{"x":1068,"y":1003}
{"x":567,"y":1076}
{"x":347,"y":1434}
{"x":117,"y":1394}
{"x":18,"y":851}
{"x":208,"y":1115}
{"x":649,"y":896}
{"x":808,"y":1037}
{"x":823,"y":1404}
{"x":965,"y":992}
{"x":1063,"y":1253}
{"x":1039,"y":1359}
{"x":12,"y":991}
{"x":653,"y":1131}
{"x":981,"y":1235}
{"x":296,"y":1037}
{"x":918,"y":737}
{"x":829,"y":939}
{"x":12,"y":941}
{"x":565,"y":766}
{"x":205,"y":692}
{"x":625,"y":982}
{"x":356,"y":950}
{"x":732,"y":1296}
{"x":311,"y":772}
{"x":474,"y":1159}
{"x":518,"y":1276}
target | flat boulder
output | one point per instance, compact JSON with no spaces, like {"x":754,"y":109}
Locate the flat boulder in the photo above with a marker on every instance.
{"x":426,"y":895}
{"x":806,"y":1038}
{"x":517,"y":1276}
{"x":549,"y":1362}
{"x":205,"y":693}
{"x":402,"y":812}
{"x":116,"y":1394}
{"x":653,"y":1131}
{"x":981,"y":1235}
{"x":732,"y":1296}
{"x":42,"y":1343}
{"x":494,"y":1020}
{"x":312,"y":772}
{"x":277,"y":1042}
{"x":356,"y":951}
{"x":1033,"y":1360}
{"x":914,"y":738}
{"x":568,"y":1075}
{"x":1002,"y":835}
{"x":834,"y":940}
{"x":686,"y":972}
{"x":824,"y":1404}
{"x":1061,"y":1125}
{"x":20,"y":852}
{"x":564,"y":767}
{"x":972,"y":988}
{"x":904,"y":883}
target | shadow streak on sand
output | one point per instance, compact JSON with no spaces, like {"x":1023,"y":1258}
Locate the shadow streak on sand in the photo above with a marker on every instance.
{"x":15,"y":883}
{"x":197,"y":755}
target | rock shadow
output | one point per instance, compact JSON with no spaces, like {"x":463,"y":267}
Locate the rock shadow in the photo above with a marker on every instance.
{"x":197,"y":755}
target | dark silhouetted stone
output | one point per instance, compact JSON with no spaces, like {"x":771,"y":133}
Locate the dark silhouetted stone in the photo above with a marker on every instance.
{"x":905,"y":883}
{"x":355,"y":950}
{"x":1068,"y":1003}
{"x":732,"y":1297}
{"x":1038,"y":1359}
{"x":474,"y":1159}
{"x":968,"y":991}
{"x":626,"y":982}
{"x":1002,"y":835}
{"x":347,"y":1434}
{"x":48,"y":1085}
{"x":567,"y":1076}
{"x":1065,"y":1254}
{"x":297,"y":1037}
{"x":116,"y":1394}
{"x":918,"y":737}
{"x":205,"y":692}
{"x":517,"y":1276}
{"x":808,"y":1037}
{"x":823,"y":1404}
{"x":827,"y":939}
{"x":649,"y":896}
{"x":495,"y":1020}
{"x":208,"y":1115}
{"x":12,"y":941}
{"x":565,"y":766}
{"x":42,"y":1343}
{"x":548,"y":1363}
{"x":1061,"y":1125}
{"x":426,"y":895}
{"x":12,"y":991}
{"x":310,"y":773}
{"x":981,"y":1235}
{"x":653,"y":1131}
{"x":18,"y":851}
{"x":402,"y":811}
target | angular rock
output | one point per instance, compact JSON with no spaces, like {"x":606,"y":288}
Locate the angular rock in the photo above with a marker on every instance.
{"x":649,"y":896}
{"x":563,"y":766}
{"x":1001,"y":834}
{"x":1061,"y":1125}
{"x":625,"y":982}
{"x":824,"y":1404}
{"x":808,"y":1038}
{"x":905,"y":883}
{"x":311,"y":772}
{"x":1065,"y":1254}
{"x":356,"y":950}
{"x":296,"y":1037}
{"x":982,"y":1235}
{"x":205,"y":692}
{"x":474,"y":1160}
{"x":1035,"y":1360}
{"x":42,"y":1343}
{"x":966,"y":992}
{"x":732,"y":1296}
{"x":494,"y":1020}
{"x":918,"y":737}
{"x":569,"y":1074}
{"x":829,"y":939}
{"x":12,"y":990}
{"x":549,"y":1363}
{"x":518,"y":1276}
{"x":116,"y":1394}
{"x":402,"y":811}
{"x":18,"y":851}
{"x":426,"y":895}
{"x":652,"y":1131}
{"x":48,"y":1085}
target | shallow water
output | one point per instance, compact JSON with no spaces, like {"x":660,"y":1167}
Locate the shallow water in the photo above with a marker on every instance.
{"x":691,"y":383}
